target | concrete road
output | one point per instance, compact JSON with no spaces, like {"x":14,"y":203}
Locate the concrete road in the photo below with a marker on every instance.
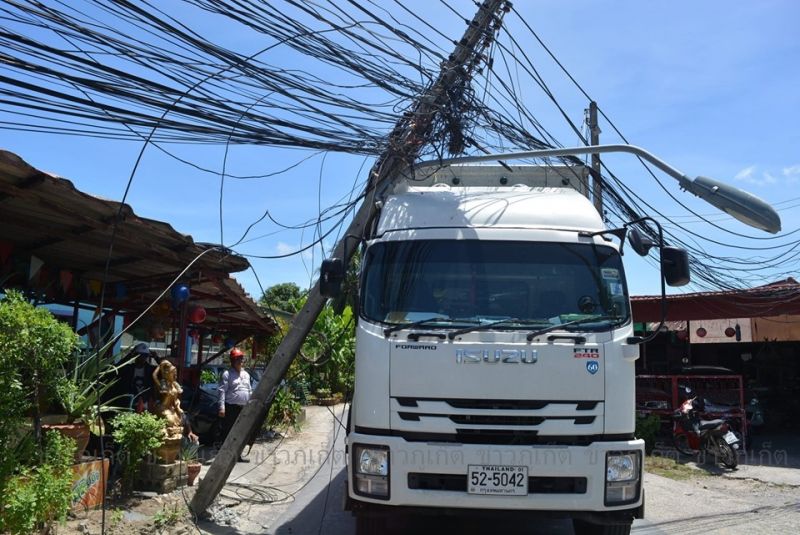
{"x":305,"y":490}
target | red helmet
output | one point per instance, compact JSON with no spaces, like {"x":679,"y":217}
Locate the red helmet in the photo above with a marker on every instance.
{"x":237,"y":353}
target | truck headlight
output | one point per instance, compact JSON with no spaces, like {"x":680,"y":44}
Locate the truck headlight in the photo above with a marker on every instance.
{"x":622,"y":467}
{"x":623,"y":479}
{"x":371,"y":471}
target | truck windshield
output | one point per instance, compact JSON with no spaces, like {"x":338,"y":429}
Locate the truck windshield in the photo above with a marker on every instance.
{"x":457,"y":283}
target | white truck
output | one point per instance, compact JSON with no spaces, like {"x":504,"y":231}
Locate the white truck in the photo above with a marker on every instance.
{"x":494,"y":354}
{"x":494,"y":348}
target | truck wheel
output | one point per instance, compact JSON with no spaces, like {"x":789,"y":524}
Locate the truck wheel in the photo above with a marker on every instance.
{"x":581,"y":527}
{"x":371,"y":525}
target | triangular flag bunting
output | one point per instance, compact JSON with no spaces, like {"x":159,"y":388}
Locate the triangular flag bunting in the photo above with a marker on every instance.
{"x":36,"y":265}
{"x":66,"y":279}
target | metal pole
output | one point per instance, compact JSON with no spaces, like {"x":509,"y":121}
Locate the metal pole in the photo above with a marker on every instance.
{"x":402,"y":148}
{"x":597,"y":180}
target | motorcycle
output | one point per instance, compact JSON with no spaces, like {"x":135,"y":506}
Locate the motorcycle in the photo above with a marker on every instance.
{"x":692,"y":436}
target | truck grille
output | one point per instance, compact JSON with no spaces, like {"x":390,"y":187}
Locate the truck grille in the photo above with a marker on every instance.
{"x":498,"y":421}
{"x":499,"y":404}
{"x":472,"y":419}
{"x":458,"y":483}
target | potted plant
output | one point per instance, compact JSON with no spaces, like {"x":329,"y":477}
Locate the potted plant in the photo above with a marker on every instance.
{"x":138,"y":435}
{"x":324,"y":397}
{"x":189,"y":457}
{"x":82,"y":394}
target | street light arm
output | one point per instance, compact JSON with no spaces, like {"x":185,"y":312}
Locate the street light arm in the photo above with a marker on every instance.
{"x":738,"y":203}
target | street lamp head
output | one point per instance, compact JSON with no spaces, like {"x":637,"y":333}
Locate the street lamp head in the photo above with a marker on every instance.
{"x":737,"y":203}
{"x":741,"y":205}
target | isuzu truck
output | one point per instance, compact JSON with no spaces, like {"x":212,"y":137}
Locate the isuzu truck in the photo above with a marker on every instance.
{"x":495,"y":353}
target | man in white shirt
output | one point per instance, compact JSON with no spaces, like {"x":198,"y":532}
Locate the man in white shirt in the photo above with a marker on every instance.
{"x":234,"y":393}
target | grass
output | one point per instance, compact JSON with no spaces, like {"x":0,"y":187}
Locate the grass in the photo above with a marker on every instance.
{"x":167,"y":517}
{"x":667,"y":467}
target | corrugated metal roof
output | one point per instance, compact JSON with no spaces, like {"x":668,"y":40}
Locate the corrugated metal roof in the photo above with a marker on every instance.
{"x":781,"y":297}
{"x":45,"y":216}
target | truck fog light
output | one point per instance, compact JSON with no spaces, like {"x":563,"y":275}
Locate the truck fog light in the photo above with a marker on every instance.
{"x":621,"y":492}
{"x":374,"y":486}
{"x":371,"y":471}
{"x":622,"y":477}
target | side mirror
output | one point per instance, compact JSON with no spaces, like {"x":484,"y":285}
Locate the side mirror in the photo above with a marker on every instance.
{"x":639,"y":242}
{"x":675,"y":266}
{"x":331,"y":275}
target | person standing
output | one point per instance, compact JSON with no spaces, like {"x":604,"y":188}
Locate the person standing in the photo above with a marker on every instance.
{"x":234,"y":393}
{"x":137,"y":378}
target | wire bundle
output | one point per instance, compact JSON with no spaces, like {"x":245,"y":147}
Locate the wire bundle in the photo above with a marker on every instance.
{"x":324,"y":76}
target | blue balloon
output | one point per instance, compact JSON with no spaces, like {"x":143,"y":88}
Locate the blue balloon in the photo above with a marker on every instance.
{"x":229,"y":343}
{"x":180,"y":293}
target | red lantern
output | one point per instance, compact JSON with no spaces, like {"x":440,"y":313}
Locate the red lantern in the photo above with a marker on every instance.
{"x":730,"y":332}
{"x":197,"y":314}
{"x":701,"y":332}
{"x":161,"y":309}
{"x":682,"y":335}
{"x":157,"y":332}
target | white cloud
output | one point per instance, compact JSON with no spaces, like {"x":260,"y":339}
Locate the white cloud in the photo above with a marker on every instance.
{"x":283,"y":248}
{"x":750,"y":175}
{"x":792,"y":174}
{"x":746,"y":174}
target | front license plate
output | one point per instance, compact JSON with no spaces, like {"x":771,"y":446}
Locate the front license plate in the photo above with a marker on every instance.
{"x":498,"y":480}
{"x":730,"y":438}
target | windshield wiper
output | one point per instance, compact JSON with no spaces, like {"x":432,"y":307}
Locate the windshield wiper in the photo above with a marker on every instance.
{"x":485,"y":326}
{"x":557,"y":326}
{"x":389,"y":330}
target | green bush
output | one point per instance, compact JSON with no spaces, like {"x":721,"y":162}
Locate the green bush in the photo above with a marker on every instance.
{"x":647,"y":428}
{"x":327,"y":361}
{"x":285,"y":410}
{"x":35,"y":497}
{"x":327,"y":356}
{"x":34,"y":473}
{"x":34,"y":347}
{"x":208,"y":377}
{"x":138,"y":434}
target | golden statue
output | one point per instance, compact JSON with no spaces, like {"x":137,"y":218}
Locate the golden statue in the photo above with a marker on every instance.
{"x":165,"y":378}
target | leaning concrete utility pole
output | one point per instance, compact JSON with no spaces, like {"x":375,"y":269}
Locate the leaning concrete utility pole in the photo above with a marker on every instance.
{"x":594,"y":139}
{"x":402,"y":149}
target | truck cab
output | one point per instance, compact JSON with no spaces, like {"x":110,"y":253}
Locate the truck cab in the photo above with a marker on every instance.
{"x":494,"y":354}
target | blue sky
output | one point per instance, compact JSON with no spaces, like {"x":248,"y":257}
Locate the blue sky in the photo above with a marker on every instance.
{"x":711,"y":87}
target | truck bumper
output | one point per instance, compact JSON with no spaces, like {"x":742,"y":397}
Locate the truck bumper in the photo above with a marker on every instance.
{"x":568,"y":481}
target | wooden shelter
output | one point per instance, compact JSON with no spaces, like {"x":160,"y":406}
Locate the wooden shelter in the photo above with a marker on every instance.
{"x":66,"y":246}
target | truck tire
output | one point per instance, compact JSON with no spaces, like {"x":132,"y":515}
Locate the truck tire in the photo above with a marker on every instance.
{"x":581,"y":527}
{"x":371,"y":525}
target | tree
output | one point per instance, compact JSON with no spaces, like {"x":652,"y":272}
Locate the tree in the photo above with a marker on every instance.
{"x":34,"y":347}
{"x":284,"y":296}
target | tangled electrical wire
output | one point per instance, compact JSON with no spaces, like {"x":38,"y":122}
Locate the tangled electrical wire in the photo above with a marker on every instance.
{"x":324,"y":76}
